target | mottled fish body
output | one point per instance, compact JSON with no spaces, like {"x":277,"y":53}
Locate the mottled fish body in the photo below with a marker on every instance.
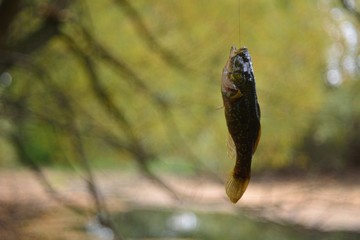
{"x":242,"y":114}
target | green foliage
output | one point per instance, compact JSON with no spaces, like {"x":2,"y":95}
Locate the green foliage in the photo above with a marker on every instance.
{"x":333,"y":142}
{"x":285,"y":38}
{"x":38,"y":146}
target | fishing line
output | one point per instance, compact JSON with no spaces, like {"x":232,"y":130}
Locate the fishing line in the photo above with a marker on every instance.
{"x":239,"y":20}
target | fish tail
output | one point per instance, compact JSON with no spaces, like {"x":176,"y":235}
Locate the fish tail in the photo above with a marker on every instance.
{"x":235,"y":187}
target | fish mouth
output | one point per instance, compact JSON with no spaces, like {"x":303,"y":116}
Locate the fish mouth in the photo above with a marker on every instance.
{"x":241,"y":51}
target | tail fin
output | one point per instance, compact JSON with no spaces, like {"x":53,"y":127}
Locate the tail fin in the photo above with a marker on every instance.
{"x":235,"y":188}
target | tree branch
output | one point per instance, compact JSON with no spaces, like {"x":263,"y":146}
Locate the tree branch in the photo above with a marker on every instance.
{"x":148,"y":37}
{"x":8,"y":12}
{"x":141,"y":154}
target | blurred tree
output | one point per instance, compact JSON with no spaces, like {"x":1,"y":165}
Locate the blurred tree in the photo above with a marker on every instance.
{"x":143,"y":79}
{"x":139,"y":81}
{"x":333,"y":141}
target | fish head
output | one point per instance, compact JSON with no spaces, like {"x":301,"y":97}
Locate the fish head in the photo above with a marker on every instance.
{"x":241,"y":70}
{"x":238,"y":73}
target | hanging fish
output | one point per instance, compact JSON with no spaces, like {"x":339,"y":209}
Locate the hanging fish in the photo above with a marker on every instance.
{"x":242,"y":114}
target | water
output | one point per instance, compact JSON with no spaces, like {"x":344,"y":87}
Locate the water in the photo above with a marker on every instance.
{"x":165,"y":224}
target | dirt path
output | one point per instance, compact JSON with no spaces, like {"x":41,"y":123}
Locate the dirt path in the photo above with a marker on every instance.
{"x":323,"y":203}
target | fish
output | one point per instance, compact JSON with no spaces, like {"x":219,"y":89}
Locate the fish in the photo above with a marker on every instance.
{"x":242,"y":115}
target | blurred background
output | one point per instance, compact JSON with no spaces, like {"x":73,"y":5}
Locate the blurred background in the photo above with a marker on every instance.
{"x":112,"y":126}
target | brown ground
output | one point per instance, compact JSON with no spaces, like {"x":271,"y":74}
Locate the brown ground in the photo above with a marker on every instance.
{"x":27,"y":212}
